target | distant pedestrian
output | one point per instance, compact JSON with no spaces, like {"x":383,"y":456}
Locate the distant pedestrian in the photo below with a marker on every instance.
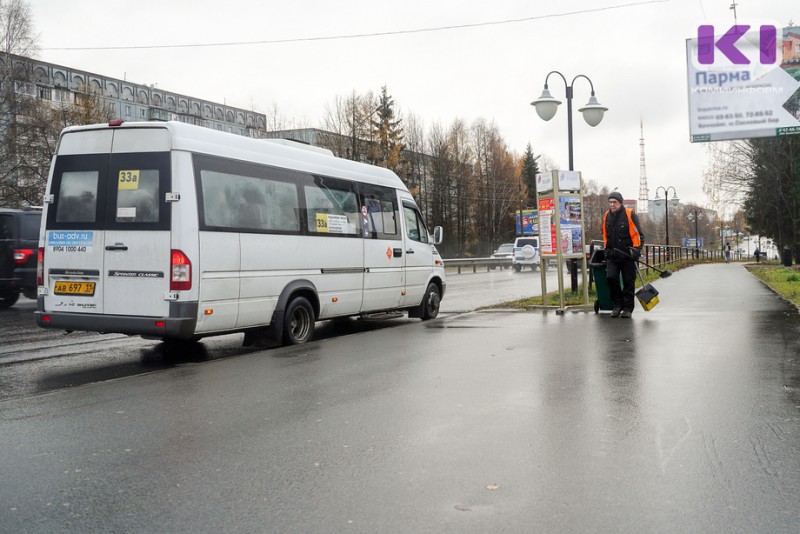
{"x":623,"y":240}
{"x":727,"y":251}
{"x":757,"y":254}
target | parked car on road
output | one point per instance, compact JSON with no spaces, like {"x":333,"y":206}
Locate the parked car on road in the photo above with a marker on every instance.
{"x":19,"y":242}
{"x":525,"y":253}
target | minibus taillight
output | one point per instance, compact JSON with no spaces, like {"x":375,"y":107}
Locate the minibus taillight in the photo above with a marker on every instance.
{"x":181,"y":269}
{"x":40,"y":267}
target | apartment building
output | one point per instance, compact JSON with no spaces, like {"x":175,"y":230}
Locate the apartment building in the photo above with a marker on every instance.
{"x":124,"y":99}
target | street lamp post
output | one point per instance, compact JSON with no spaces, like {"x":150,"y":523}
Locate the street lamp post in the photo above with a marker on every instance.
{"x":695,"y":216}
{"x":546,"y":107}
{"x":674,"y":201}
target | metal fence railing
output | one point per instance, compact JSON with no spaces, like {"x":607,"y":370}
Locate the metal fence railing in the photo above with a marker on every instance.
{"x":656,"y":255}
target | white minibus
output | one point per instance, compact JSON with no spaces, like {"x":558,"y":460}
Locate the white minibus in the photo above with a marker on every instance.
{"x":176,"y":232}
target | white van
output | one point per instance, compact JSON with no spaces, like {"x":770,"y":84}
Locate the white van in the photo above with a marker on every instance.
{"x":176,"y":232}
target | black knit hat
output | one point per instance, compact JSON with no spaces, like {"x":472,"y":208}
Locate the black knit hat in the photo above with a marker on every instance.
{"x":616,"y":196}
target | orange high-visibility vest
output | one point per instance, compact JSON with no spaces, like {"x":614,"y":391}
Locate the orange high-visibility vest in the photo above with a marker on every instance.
{"x":632,"y":229}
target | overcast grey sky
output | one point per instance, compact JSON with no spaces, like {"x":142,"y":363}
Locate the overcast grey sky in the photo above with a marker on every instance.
{"x":633,"y":51}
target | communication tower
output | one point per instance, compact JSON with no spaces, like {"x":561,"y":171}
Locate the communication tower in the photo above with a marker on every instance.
{"x":644,"y":194}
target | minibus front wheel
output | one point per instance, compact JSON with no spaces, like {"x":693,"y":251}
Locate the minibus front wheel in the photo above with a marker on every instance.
{"x":298,"y":322}
{"x":430,"y":303}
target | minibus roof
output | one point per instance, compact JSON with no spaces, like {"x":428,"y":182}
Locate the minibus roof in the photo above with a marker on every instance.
{"x":198,"y":139}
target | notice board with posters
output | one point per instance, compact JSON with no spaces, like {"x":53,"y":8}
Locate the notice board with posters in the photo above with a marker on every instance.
{"x":561,"y":231}
{"x":562,"y":226}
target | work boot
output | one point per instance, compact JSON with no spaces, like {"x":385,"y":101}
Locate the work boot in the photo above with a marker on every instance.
{"x":625,"y":314}
{"x":615,"y":312}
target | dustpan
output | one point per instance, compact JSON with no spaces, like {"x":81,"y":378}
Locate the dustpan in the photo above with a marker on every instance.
{"x":647,"y":294}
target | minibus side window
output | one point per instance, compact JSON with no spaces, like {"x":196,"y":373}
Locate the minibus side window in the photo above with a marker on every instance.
{"x":218,"y":194}
{"x":249,"y":203}
{"x":380,"y":206}
{"x":415,"y":228}
{"x":283,"y":207}
{"x":332,"y":207}
{"x":77,"y":197}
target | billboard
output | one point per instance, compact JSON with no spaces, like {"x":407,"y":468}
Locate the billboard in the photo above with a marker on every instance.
{"x":527,"y":222}
{"x":744,"y":82}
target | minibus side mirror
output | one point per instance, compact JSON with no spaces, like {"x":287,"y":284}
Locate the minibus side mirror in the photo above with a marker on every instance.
{"x":438,"y":234}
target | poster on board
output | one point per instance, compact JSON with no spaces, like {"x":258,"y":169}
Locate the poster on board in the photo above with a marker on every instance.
{"x":570,"y":215}
{"x":547,"y":227}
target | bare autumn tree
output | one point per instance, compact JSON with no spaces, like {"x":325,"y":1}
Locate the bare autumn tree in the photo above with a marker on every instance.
{"x":16,"y":28}
{"x":440,"y":198}
{"x":414,"y":155}
{"x":336,"y":121}
{"x":496,"y":183}
{"x":727,"y":179}
{"x":595,"y":204}
{"x":17,"y":39}
{"x":763,"y":176}
{"x":44,"y":121}
{"x":462,"y":180}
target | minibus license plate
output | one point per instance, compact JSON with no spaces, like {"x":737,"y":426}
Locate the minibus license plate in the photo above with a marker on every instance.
{"x":74,"y":288}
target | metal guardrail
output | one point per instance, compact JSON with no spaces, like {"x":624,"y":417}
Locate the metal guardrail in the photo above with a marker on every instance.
{"x":474,"y":263}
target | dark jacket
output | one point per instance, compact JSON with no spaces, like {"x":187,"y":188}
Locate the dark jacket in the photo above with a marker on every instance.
{"x":621,"y":231}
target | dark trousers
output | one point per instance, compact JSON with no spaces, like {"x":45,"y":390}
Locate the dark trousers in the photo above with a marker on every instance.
{"x":622,"y":297}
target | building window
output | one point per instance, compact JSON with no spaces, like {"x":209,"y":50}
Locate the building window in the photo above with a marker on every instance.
{"x":127,"y":111}
{"x":45,"y":93}
{"x":24,"y":88}
{"x":62,"y":95}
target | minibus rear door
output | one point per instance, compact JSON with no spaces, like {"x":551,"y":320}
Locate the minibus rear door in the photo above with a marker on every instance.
{"x":137,"y":252}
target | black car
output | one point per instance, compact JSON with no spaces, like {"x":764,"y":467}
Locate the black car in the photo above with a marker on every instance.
{"x":19,"y":242}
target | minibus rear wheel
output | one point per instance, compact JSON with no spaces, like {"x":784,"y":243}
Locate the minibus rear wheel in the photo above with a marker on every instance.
{"x":298,"y":322}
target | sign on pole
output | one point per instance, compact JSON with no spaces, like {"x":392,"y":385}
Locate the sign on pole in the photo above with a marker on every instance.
{"x":743,"y":82}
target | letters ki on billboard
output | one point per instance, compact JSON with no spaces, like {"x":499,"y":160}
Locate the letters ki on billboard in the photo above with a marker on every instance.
{"x":744,"y":82}
{"x":707,"y":43}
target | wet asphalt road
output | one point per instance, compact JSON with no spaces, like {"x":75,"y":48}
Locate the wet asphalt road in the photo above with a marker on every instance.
{"x":683,"y":419}
{"x":34,"y":360}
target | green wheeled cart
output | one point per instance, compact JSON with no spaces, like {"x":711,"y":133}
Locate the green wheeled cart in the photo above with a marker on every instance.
{"x":597,"y":263}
